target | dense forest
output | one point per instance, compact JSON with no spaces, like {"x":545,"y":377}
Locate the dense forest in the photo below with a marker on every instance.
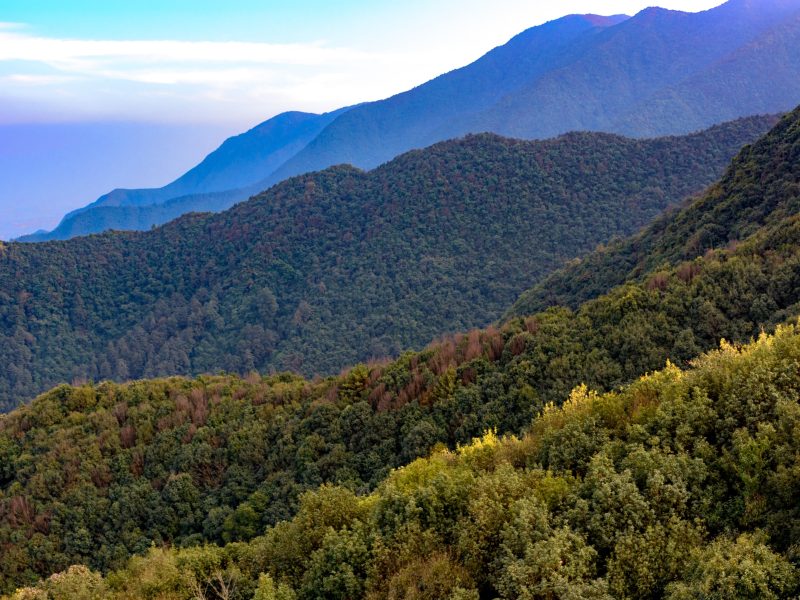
{"x":681,"y":484}
{"x":340,"y":266}
{"x":761,"y":189}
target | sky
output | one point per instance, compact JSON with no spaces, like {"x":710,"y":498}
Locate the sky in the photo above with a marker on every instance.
{"x":205,"y":69}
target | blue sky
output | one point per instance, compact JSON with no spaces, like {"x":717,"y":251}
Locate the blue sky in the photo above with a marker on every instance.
{"x":120,"y":93}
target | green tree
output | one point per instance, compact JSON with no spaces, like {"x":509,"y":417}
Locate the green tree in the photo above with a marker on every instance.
{"x":740,"y":568}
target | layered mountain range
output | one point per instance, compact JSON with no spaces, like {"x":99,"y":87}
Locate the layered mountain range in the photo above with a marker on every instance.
{"x":660,"y":72}
{"x":330,"y":268}
{"x":487,"y":368}
{"x":678,"y":484}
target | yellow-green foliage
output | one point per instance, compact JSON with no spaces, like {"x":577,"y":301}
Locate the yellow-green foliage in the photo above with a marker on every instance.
{"x":268,"y":590}
{"x":681,"y":485}
{"x":76,"y":583}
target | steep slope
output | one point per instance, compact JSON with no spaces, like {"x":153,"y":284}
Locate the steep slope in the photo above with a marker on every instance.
{"x":335,"y":267}
{"x":760,"y":189}
{"x":682,"y":485}
{"x":644,"y":483}
{"x":714,"y":93}
{"x":224,"y":177}
{"x":375,"y":132}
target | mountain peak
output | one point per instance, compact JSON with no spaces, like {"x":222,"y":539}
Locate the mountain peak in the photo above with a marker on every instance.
{"x":654,"y":13}
{"x":604,"y":21}
{"x":578,"y":20}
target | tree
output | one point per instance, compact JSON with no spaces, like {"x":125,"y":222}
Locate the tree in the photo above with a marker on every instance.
{"x":741,"y":568}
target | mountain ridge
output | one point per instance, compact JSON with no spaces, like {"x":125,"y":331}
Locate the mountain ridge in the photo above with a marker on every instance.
{"x":657,"y":73}
{"x":675,"y":236}
{"x":230,"y":173}
{"x":555,"y":451}
{"x":741,"y":30}
{"x":395,"y":249}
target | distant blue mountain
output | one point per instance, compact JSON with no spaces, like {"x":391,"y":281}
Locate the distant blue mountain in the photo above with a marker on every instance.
{"x":47,"y":169}
{"x":641,"y":76}
{"x":240,"y":160}
{"x":660,"y":72}
{"x":232,"y":172}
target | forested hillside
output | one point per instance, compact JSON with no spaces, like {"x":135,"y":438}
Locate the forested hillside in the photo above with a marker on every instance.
{"x":679,"y":485}
{"x":682,"y":485}
{"x":336,"y":267}
{"x":762,"y":188}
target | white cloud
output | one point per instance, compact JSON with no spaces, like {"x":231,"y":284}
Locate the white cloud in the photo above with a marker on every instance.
{"x":187,"y":79}
{"x":19,"y":46}
{"x":35,"y":79}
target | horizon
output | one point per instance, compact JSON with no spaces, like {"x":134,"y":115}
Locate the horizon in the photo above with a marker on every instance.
{"x":190,"y":74}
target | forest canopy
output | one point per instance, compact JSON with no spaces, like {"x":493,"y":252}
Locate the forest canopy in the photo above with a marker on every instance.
{"x":680,"y":485}
{"x":341,"y":266}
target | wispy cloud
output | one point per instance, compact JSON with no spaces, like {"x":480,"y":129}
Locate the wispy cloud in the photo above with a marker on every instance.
{"x":34,"y":79}
{"x":128,"y":74}
{"x":16,"y":45}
